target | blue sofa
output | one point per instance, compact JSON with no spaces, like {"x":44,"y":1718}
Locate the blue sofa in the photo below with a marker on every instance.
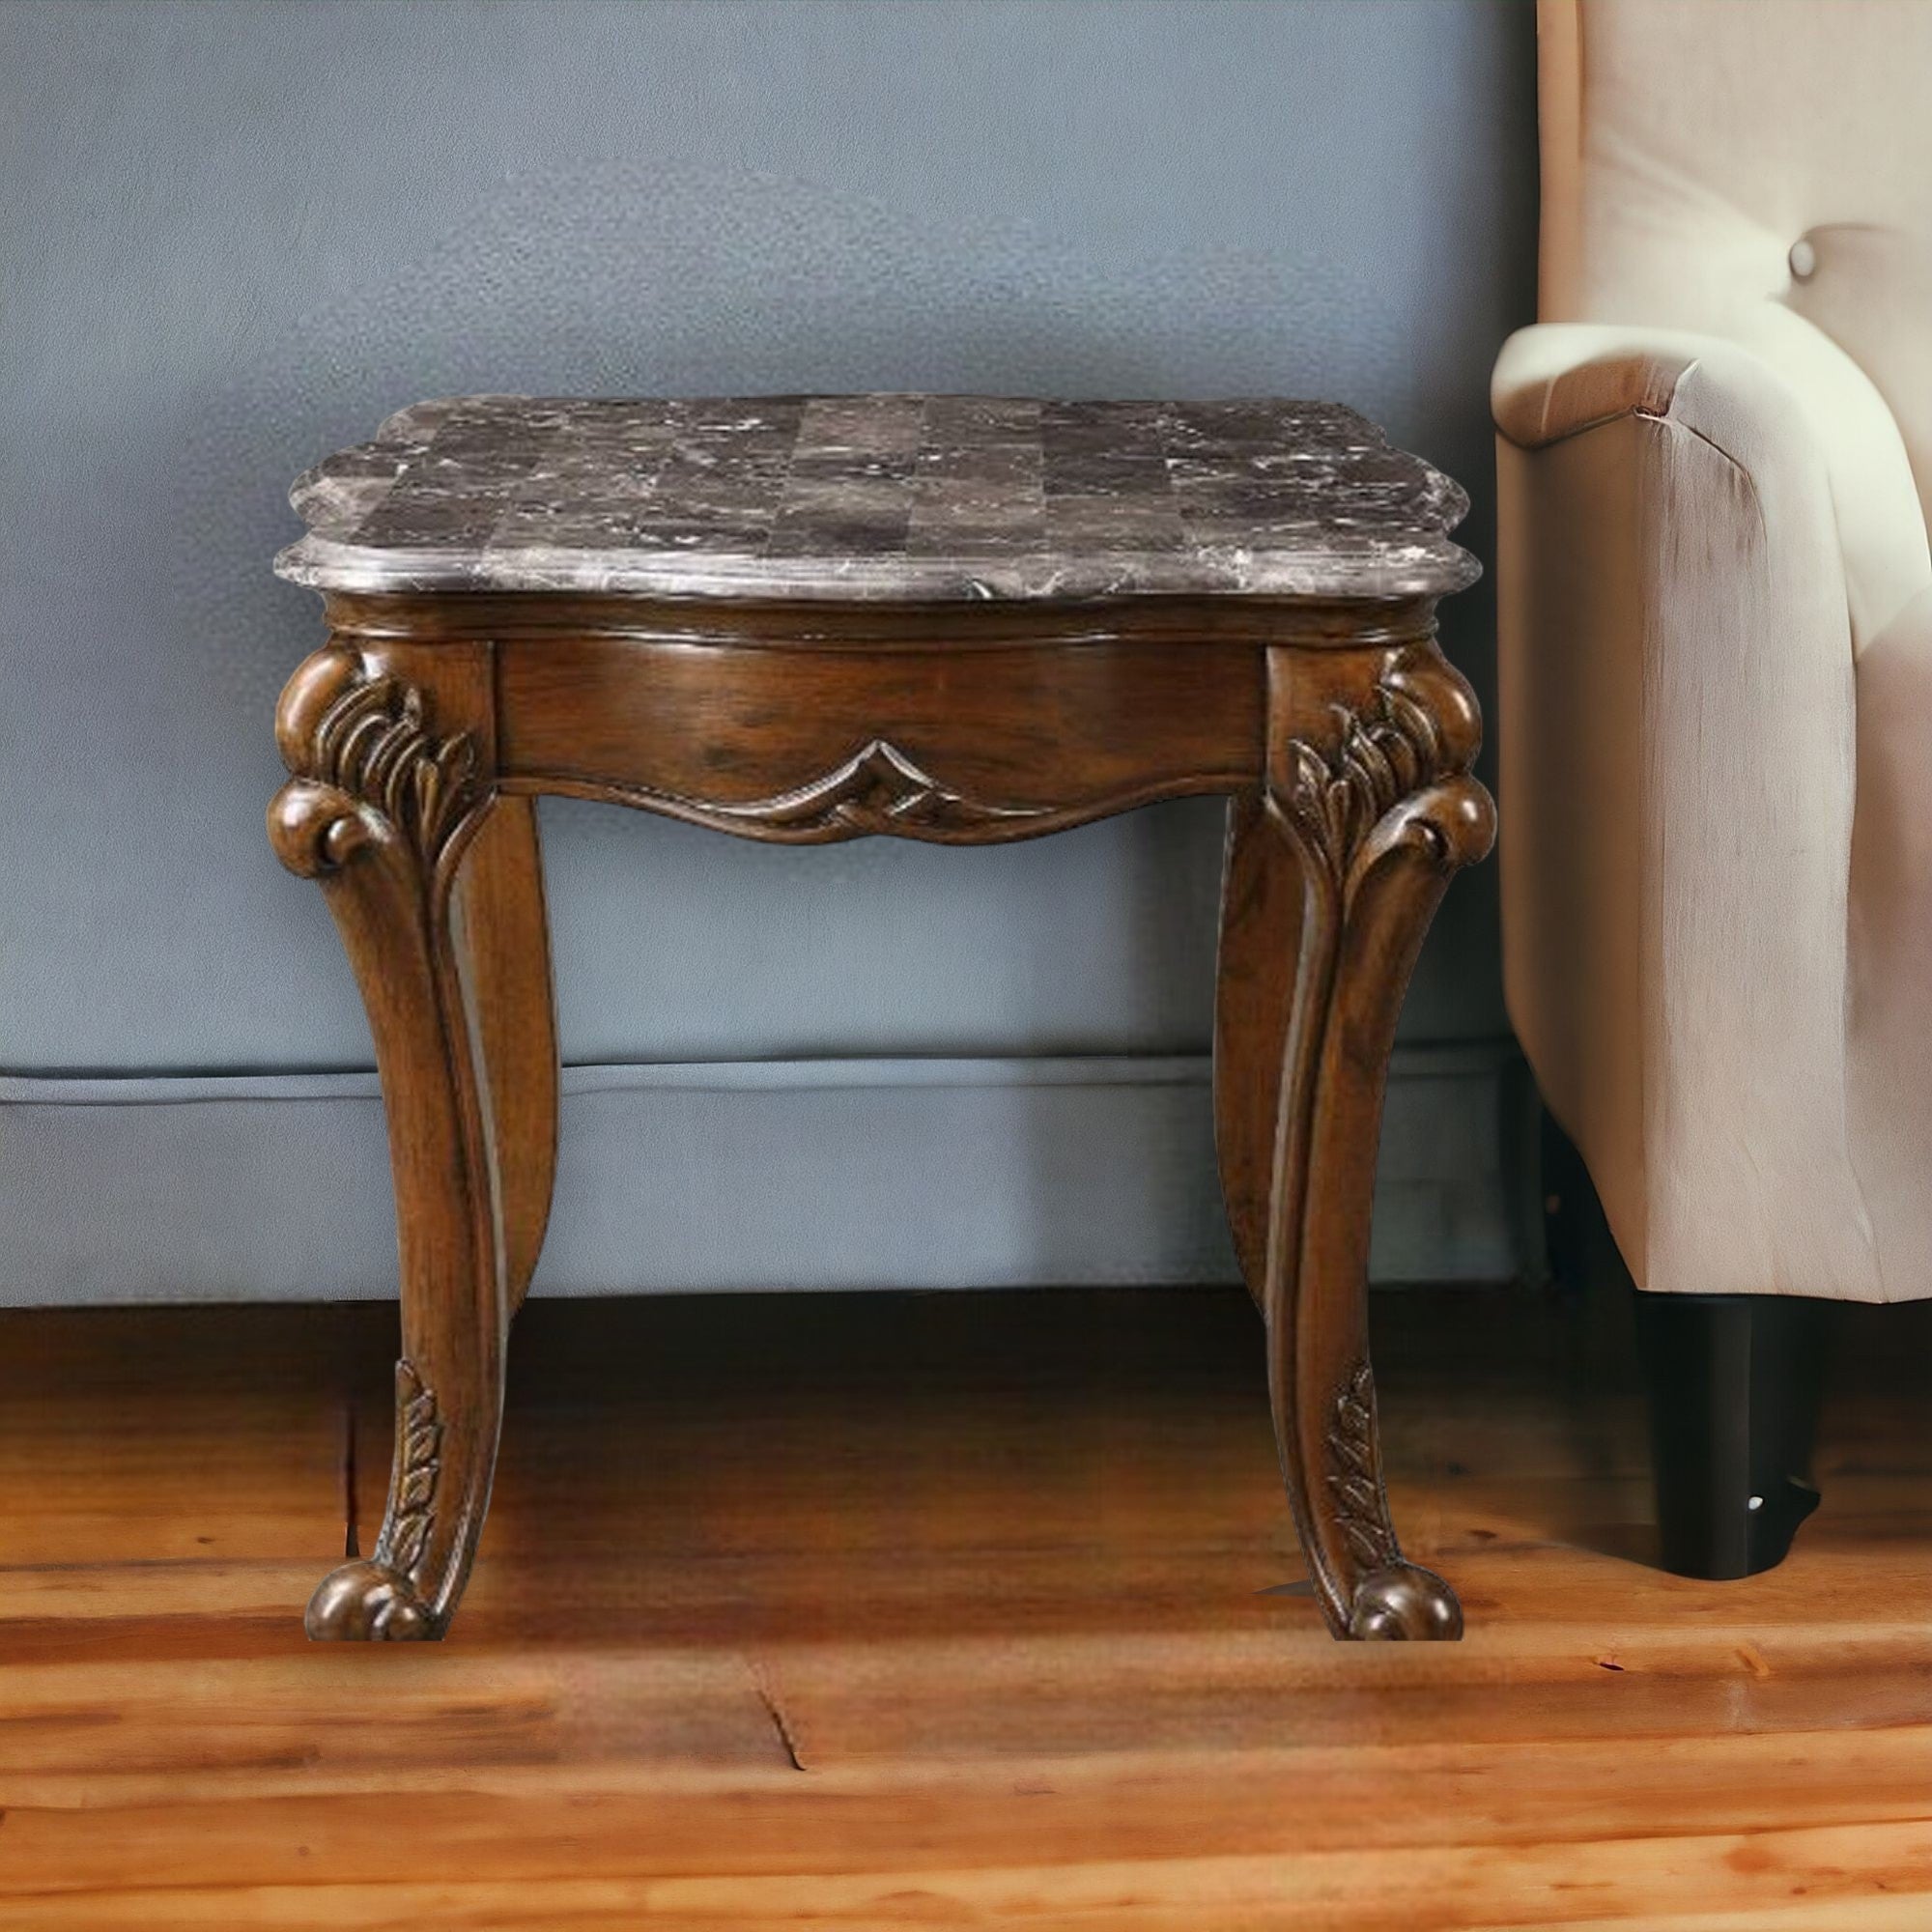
{"x":238,"y":236}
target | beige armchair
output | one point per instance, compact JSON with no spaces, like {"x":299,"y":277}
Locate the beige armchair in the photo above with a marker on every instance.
{"x":1715,"y":723}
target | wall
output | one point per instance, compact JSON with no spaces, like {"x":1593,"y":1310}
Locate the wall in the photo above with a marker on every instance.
{"x":239,"y":234}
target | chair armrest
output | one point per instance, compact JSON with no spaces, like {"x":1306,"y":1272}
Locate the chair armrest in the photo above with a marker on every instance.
{"x":1558,"y":378}
{"x":1677,"y":789}
{"x":1789,"y":402}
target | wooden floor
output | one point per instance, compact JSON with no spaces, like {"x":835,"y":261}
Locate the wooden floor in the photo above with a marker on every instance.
{"x":950,"y":1611}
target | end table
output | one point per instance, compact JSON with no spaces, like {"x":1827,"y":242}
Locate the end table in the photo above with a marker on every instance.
{"x":953,"y":618}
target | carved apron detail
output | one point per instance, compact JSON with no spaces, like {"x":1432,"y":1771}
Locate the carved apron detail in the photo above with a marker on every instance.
{"x":881,"y":791}
{"x":878,"y":790}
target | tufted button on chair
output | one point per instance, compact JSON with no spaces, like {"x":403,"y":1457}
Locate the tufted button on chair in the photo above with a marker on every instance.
{"x":1716,"y":723}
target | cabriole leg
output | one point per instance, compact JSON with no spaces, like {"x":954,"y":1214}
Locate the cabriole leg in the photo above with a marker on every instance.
{"x":390,"y":789}
{"x":1333,"y":875}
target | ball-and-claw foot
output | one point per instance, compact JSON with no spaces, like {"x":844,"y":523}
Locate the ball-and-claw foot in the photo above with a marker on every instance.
{"x":367,"y":1601}
{"x":1406,"y":1601}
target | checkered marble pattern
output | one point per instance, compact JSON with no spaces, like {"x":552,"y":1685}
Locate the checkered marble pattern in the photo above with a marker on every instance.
{"x":905,"y":496}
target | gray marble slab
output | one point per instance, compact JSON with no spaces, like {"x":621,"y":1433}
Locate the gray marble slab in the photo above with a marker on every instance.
{"x":879,"y":496}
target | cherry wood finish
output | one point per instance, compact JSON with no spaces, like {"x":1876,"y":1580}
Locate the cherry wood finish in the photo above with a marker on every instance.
{"x":418,"y":735}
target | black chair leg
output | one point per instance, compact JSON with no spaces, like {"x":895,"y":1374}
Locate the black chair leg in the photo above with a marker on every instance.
{"x":1734,"y":1382}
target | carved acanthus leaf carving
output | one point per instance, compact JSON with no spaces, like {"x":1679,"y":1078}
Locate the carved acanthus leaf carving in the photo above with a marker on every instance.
{"x":411,"y":1517}
{"x":373,"y":744}
{"x":1354,"y":1473}
{"x":1388,"y":751}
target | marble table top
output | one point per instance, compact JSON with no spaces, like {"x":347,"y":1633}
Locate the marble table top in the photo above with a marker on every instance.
{"x":879,"y":496}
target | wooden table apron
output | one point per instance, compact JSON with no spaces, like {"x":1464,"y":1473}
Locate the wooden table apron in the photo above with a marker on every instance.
{"x":420,"y":735}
